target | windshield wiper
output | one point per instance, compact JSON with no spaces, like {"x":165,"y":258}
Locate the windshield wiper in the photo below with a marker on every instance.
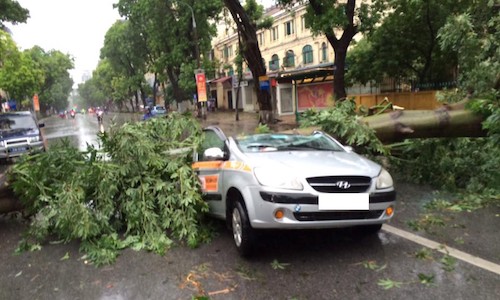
{"x":303,"y":147}
{"x":255,"y":145}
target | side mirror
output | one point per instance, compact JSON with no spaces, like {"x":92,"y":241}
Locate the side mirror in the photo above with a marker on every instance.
{"x":41,"y":125}
{"x":213,"y":154}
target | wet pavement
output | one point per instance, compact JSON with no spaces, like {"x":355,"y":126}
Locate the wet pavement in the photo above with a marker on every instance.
{"x":323,"y":264}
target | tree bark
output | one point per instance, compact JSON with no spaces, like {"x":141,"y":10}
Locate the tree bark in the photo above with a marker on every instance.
{"x":339,"y":45}
{"x":446,"y":121}
{"x":253,"y":56}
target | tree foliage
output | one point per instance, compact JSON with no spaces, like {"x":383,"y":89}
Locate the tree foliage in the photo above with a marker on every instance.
{"x":343,"y":122}
{"x":125,"y":51}
{"x":11,"y":11}
{"x":340,"y":21}
{"x":139,"y":191}
{"x":405,"y":46}
{"x":475,"y":36}
{"x":174,"y":46}
{"x":20,"y":75}
{"x":57,"y":83}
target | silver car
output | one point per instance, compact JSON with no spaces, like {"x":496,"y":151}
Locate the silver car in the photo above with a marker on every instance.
{"x":290,"y":181}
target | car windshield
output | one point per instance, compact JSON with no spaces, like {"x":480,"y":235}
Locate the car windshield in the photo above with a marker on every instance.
{"x":16,"y":121}
{"x":286,"y":142}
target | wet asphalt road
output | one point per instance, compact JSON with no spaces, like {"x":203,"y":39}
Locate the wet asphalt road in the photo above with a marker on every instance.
{"x":326,"y":264}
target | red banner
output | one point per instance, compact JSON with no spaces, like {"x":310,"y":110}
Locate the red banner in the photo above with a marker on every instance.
{"x":201,"y":87}
{"x":36,"y":103}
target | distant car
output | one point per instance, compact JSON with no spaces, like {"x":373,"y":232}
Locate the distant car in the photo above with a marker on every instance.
{"x":19,"y":134}
{"x":290,"y":181}
{"x":158,"y":110}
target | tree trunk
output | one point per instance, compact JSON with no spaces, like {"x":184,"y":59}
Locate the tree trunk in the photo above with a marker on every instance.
{"x":447,"y":121}
{"x":253,"y":56}
{"x":339,"y":45}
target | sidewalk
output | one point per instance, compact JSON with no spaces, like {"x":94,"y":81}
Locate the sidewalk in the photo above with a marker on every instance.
{"x":247,"y":123}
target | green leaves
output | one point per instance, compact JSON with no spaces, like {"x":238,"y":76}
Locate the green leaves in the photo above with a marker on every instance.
{"x":342,"y":122}
{"x":145,"y":197}
{"x":451,"y":164}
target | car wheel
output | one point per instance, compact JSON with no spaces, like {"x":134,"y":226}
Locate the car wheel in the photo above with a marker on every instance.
{"x":243,"y":234}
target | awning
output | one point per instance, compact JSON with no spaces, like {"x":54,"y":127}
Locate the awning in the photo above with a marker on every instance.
{"x":316,"y":73}
{"x":222,"y":79}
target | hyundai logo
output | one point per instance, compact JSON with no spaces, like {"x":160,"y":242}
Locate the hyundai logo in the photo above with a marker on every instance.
{"x":343,"y":185}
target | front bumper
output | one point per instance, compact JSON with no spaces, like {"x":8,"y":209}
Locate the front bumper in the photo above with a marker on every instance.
{"x":19,"y":149}
{"x":300,"y":211}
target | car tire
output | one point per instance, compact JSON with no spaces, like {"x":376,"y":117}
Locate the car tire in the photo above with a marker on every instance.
{"x":243,"y":233}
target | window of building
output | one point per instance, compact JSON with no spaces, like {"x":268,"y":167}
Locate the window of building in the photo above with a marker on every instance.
{"x":228,"y":51}
{"x":302,"y":23}
{"x":324,"y":52}
{"x":289,"y":60}
{"x":274,"y":64}
{"x":260,"y":38}
{"x":274,"y":33}
{"x":307,"y":54}
{"x":289,"y":28}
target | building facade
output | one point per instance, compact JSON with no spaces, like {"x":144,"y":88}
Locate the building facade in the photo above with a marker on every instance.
{"x":299,"y":65}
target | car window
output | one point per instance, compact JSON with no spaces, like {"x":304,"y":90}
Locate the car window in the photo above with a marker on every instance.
{"x":210,"y":140}
{"x":286,"y":142}
{"x":13,"y":121}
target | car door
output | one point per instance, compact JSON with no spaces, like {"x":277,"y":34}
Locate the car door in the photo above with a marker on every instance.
{"x":210,"y":170}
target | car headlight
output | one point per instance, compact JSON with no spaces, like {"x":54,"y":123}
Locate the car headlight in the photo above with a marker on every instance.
{"x":2,"y":144}
{"x":277,"y":179}
{"x":384,"y":180}
{"x":34,"y":139}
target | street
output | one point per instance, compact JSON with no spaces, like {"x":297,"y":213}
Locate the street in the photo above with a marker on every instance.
{"x":397,"y":263}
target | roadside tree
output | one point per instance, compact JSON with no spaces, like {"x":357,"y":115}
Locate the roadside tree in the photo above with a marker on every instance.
{"x":11,"y":11}
{"x":174,"y":42}
{"x":405,"y":46}
{"x":57,"y":83}
{"x":127,"y":56}
{"x":246,"y":22}
{"x":20,"y":75}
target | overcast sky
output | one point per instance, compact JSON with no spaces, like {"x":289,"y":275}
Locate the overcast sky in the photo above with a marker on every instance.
{"x":75,"y":27}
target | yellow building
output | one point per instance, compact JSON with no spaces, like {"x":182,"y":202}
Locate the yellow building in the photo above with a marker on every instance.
{"x":299,"y":66}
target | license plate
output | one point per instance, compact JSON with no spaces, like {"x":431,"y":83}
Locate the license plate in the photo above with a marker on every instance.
{"x":17,"y":149}
{"x":344,"y":201}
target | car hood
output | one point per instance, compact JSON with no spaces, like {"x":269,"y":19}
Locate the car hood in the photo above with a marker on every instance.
{"x":316,"y":163}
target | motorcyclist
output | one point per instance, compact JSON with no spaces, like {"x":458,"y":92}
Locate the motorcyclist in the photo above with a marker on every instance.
{"x":99,"y":113}
{"x":148,"y":114}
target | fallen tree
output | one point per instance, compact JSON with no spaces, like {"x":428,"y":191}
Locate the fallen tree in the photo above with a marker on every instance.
{"x":447,"y":121}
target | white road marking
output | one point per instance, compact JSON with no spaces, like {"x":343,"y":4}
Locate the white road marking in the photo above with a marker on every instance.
{"x":471,"y":259}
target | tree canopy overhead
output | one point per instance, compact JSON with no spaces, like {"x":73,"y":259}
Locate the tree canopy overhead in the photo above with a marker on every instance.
{"x":405,"y":45}
{"x":340,"y":22}
{"x":11,"y":11}
{"x":175,"y":42}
